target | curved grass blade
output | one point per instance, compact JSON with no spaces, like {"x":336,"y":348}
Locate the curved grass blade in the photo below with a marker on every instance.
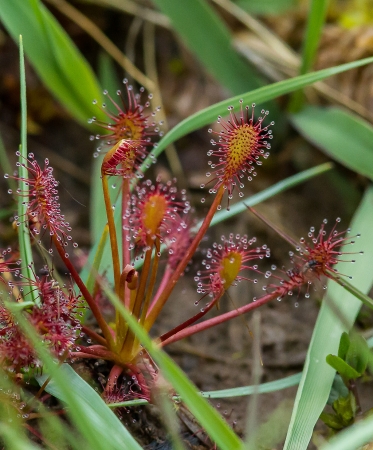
{"x":341,"y":135}
{"x":337,"y":314}
{"x":261,"y":95}
{"x":206,"y":415}
{"x":25,"y":251}
{"x":56,"y":59}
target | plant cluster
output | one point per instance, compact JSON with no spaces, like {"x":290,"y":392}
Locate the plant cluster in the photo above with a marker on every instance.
{"x":154,"y":227}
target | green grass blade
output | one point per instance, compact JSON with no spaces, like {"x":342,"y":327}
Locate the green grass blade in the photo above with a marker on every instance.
{"x":209,"y":39}
{"x":315,"y":22}
{"x":346,"y":138}
{"x":259,"y":96}
{"x":318,"y":376}
{"x":206,"y":415}
{"x":54,"y":56}
{"x":23,"y":230}
{"x":263,"y":388}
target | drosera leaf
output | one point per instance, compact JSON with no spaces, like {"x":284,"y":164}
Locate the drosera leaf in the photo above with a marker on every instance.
{"x":54,"y":56}
{"x":258,"y":96}
{"x":265,"y":194}
{"x":337,"y":314}
{"x":341,"y":135}
{"x":253,"y":200}
{"x":206,"y":415}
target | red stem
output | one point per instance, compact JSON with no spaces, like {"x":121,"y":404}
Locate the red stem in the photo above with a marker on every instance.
{"x":83,"y":289}
{"x":220,"y":319}
{"x":153,"y":314}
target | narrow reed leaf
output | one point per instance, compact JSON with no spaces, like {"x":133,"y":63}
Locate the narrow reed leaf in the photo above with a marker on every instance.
{"x":337,"y":314}
{"x":341,"y":135}
{"x":214,"y":425}
{"x":25,"y":251}
{"x":54,"y":56}
{"x":259,"y":96}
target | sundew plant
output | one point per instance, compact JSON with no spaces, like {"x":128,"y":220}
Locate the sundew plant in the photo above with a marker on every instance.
{"x":51,"y":321}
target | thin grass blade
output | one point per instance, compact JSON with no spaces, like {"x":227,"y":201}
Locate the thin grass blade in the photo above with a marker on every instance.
{"x":25,"y":251}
